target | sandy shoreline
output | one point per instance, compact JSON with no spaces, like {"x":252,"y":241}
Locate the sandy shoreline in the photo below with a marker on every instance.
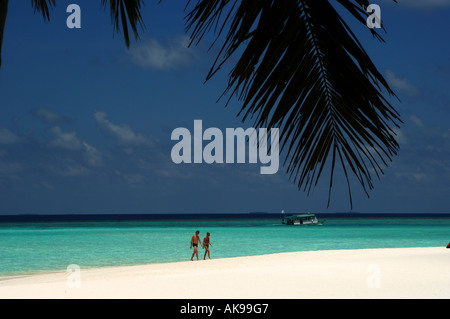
{"x":365,"y":273}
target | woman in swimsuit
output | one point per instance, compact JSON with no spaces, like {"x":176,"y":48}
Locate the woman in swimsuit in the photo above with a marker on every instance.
{"x":206,"y":243}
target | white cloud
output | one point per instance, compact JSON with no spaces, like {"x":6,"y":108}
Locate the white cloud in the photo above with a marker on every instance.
{"x":417,"y":176}
{"x":400,"y":136}
{"x":122,"y":132}
{"x":68,"y":141}
{"x":7,"y":137}
{"x":401,"y":85}
{"x":93,"y":156}
{"x":424,"y":157}
{"x":68,"y":168}
{"x":131,"y":178}
{"x":417,"y":121}
{"x":173,"y":55}
{"x":48,"y":116}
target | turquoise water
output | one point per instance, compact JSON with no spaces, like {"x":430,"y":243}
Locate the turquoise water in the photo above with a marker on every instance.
{"x":36,"y":247}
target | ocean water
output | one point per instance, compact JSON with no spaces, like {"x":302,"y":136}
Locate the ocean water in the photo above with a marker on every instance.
{"x":34,"y":244}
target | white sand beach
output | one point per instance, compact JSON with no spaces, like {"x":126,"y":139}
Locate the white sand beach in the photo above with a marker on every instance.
{"x":367,"y":273}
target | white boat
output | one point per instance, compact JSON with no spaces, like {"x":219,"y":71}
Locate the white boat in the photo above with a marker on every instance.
{"x":303,"y":219}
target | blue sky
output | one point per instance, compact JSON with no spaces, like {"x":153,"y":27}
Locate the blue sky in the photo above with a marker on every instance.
{"x":85,"y":123}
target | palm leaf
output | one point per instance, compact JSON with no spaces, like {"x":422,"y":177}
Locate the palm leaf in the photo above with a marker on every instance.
{"x":44,"y":7}
{"x":124,"y":12}
{"x":3,"y":14}
{"x":303,"y":70}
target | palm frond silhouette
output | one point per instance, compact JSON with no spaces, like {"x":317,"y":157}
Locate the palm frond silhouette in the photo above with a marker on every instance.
{"x":299,"y":68}
{"x":125,"y":15}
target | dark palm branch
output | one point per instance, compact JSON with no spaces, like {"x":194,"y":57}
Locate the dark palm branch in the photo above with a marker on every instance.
{"x":125,"y":14}
{"x":303,"y":70}
{"x":44,"y":7}
{"x":3,"y":14}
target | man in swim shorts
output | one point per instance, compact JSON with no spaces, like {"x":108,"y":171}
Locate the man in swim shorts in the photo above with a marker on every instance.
{"x":194,"y":242}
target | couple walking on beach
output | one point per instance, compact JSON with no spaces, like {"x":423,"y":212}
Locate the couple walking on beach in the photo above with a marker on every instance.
{"x":206,"y":243}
